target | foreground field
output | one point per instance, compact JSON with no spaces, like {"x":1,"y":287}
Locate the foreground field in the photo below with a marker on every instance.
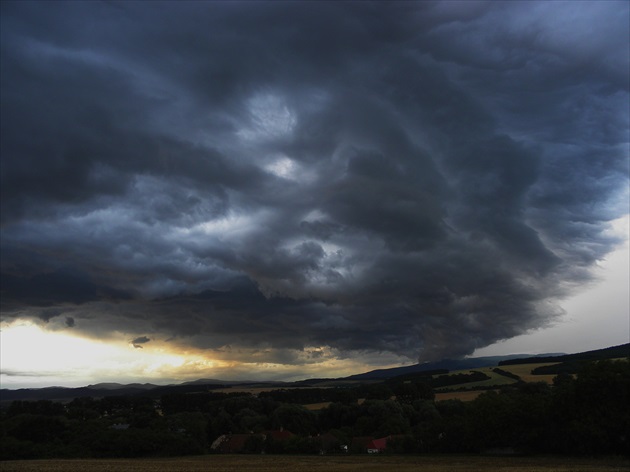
{"x":363,"y":463}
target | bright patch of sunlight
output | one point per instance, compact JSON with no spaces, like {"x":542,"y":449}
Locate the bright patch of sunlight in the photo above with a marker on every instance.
{"x":32,"y":356}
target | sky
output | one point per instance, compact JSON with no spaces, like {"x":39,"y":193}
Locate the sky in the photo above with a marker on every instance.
{"x":286,"y":190}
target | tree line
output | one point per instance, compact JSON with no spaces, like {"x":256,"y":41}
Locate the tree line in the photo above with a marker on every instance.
{"x":583,"y":414}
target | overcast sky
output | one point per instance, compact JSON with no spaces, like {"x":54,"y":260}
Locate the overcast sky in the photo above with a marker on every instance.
{"x":300,"y":185}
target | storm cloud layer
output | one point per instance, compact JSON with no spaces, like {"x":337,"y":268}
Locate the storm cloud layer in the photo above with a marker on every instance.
{"x":421,"y":179}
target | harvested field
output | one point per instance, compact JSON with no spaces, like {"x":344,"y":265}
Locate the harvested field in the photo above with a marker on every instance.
{"x":317,"y":406}
{"x":524,"y":371}
{"x":363,"y":463}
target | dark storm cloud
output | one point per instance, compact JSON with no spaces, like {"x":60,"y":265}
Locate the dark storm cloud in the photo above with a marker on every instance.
{"x":419,"y":178}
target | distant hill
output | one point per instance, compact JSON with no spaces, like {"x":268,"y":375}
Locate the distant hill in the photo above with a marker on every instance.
{"x":440,"y":366}
{"x":116,"y":386}
{"x":233,"y":382}
{"x":564,"y":361}
{"x":63,"y":393}
{"x":98,"y":391}
{"x":572,"y":363}
{"x":613,"y":352}
{"x":113,"y":389}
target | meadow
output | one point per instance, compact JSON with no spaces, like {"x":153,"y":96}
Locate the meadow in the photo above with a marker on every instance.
{"x":363,"y":463}
{"x":469,"y":391}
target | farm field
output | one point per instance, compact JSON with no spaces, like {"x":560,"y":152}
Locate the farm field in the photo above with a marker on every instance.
{"x":524,"y":371}
{"x":261,"y":463}
{"x":494,"y":380}
{"x":317,"y":406}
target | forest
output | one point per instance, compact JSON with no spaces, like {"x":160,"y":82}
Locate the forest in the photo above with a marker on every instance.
{"x":582,"y":414}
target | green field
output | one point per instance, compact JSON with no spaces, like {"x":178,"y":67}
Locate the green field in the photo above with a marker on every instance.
{"x":524,"y":371}
{"x":363,"y":463}
{"x":497,"y":380}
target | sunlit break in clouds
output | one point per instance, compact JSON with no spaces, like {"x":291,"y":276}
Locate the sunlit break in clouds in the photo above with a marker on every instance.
{"x":293,"y":189}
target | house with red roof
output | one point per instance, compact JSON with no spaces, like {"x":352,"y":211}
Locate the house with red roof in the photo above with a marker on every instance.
{"x":377,"y":445}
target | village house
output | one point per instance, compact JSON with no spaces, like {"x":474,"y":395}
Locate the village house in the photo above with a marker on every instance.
{"x":377,"y":445}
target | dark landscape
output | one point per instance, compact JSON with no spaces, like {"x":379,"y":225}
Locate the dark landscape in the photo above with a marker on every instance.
{"x":576,"y":406}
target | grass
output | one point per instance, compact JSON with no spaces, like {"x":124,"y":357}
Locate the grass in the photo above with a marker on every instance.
{"x":363,"y":463}
{"x":494,"y":380}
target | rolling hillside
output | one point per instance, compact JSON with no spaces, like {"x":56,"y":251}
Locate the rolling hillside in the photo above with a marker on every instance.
{"x":511,"y":369}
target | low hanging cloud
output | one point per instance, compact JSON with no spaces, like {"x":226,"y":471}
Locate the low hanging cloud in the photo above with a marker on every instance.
{"x":421,"y":179}
{"x":139,"y":341}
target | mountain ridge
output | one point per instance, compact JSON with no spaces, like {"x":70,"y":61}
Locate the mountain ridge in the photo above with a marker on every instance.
{"x":104,"y":389}
{"x":444,"y":364}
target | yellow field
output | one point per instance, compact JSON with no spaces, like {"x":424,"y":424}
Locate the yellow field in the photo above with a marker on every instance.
{"x":524,"y":371}
{"x":317,"y":406}
{"x":363,"y":463}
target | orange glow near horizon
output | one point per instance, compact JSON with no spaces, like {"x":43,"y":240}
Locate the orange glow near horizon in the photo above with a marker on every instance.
{"x":40,"y":357}
{"x":33,"y":357}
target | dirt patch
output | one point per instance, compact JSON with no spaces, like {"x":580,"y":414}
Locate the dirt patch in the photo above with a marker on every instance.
{"x":346,"y":463}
